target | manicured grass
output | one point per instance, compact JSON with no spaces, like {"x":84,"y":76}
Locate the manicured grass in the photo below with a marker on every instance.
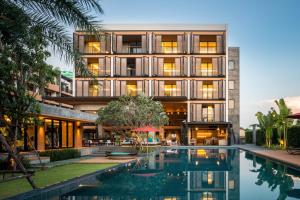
{"x":43,"y":178}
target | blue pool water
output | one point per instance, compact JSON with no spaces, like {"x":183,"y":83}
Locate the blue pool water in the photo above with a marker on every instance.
{"x":206,"y":174}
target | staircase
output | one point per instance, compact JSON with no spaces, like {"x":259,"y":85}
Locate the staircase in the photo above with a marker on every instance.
{"x":34,"y":160}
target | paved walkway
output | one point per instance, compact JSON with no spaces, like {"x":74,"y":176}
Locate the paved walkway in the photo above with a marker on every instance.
{"x":105,"y":160}
{"x":279,"y":155}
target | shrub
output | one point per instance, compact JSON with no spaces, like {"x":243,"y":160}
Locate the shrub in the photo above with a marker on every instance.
{"x":260,"y":138}
{"x":61,"y":154}
{"x":294,"y":136}
{"x":248,"y":136}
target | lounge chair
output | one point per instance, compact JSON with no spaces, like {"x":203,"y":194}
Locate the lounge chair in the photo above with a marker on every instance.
{"x":293,"y":150}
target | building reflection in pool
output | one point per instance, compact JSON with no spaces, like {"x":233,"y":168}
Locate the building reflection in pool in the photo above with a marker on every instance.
{"x":206,"y":174}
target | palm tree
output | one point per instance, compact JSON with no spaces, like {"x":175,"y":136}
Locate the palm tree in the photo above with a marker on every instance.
{"x":282,"y":120}
{"x":266,"y":123}
{"x":53,"y":18}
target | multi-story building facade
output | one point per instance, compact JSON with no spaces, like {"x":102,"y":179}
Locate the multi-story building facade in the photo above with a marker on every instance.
{"x":183,"y":66}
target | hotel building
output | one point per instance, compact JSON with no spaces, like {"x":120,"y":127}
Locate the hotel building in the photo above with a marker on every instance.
{"x":188,"y":68}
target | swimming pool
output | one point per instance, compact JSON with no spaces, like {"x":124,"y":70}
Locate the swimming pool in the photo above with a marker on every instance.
{"x":194,"y":173}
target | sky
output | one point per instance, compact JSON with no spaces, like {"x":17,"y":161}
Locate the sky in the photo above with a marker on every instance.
{"x":267,"y":32}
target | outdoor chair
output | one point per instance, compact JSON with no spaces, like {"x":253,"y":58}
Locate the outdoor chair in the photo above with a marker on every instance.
{"x":293,"y":150}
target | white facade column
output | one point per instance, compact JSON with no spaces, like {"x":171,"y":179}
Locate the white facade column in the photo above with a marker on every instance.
{"x":111,"y":66}
{"x":150,"y":43}
{"x":150,"y":88}
{"x":189,"y":89}
{"x":111,"y":43}
{"x":111,"y":88}
{"x":188,"y":111}
{"x":189,"y":66}
{"x":189,"y":43}
{"x":226,"y":84}
{"x":150,"y":66}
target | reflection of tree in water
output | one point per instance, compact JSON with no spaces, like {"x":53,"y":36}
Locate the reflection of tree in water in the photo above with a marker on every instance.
{"x":275,"y":176}
{"x":139,"y":182}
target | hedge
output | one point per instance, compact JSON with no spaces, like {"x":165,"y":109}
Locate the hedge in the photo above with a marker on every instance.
{"x":248,"y":136}
{"x":61,"y":154}
{"x":294,"y":136}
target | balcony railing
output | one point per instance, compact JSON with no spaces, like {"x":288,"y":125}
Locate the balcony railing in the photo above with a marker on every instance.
{"x":67,"y":90}
{"x":132,"y":50}
{"x":197,"y":49}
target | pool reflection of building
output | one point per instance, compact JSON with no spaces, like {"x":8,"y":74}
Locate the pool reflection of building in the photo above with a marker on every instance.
{"x":210,"y":174}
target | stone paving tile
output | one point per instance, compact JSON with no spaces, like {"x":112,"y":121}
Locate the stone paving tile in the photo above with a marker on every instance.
{"x":279,"y":155}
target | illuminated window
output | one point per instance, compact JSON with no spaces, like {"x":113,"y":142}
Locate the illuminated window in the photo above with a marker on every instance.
{"x":169,"y":47}
{"x":207,"y":196}
{"x":93,"y":68}
{"x":208,"y":113}
{"x":94,"y":88}
{"x":131,"y":89}
{"x":208,"y":177}
{"x":207,"y":90}
{"x":169,"y":69}
{"x":93,"y":47}
{"x":206,"y":69}
{"x":208,"y":47}
{"x":170,"y":90}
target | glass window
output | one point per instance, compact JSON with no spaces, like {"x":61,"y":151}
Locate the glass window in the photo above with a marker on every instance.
{"x":231,"y":104}
{"x":208,"y":113}
{"x":169,"y":47}
{"x":208,"y":47}
{"x":70,"y":134}
{"x":93,"y":47}
{"x":207,"y":90}
{"x":206,"y":69}
{"x":64,"y":134}
{"x":93,"y":68}
{"x":231,"y":64}
{"x":95,"y":88}
{"x":169,"y":69}
{"x":51,"y":134}
{"x":231,"y":85}
{"x":131,"y":89}
{"x":170,"y":90}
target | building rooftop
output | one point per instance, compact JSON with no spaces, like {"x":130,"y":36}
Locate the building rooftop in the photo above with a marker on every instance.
{"x":162,"y":27}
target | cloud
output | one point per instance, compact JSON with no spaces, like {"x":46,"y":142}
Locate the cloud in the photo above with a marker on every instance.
{"x":293,"y":102}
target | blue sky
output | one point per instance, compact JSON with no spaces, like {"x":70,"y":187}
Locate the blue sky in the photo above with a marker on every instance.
{"x":267,"y":32}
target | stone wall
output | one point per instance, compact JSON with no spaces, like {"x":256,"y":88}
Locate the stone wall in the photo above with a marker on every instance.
{"x":234,"y":92}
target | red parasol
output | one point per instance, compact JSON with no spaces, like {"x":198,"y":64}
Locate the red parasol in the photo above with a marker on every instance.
{"x":294,"y":116}
{"x":146,"y":129}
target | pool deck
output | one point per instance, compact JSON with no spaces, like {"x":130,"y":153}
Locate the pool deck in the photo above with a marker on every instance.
{"x":278,"y":155}
{"x":106,"y":160}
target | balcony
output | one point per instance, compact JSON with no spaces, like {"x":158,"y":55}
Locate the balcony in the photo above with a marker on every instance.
{"x":90,"y":44}
{"x":208,"y":90}
{"x":169,"y":67}
{"x":169,"y":88}
{"x":208,"y":67}
{"x":168,"y":44}
{"x":99,"y":67}
{"x":92,"y":88}
{"x":208,"y":44}
{"x":131,"y":88}
{"x":131,"y":67}
{"x":207,"y":112}
{"x":130,"y":44}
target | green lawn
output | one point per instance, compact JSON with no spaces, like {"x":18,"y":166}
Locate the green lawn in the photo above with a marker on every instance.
{"x":48,"y":177}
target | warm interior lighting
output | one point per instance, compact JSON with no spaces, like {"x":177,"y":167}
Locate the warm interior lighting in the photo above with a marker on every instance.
{"x":169,"y":47}
{"x":206,"y":69}
{"x":131,"y":89}
{"x":207,"y":91}
{"x":169,"y":69}
{"x":93,"y":68}
{"x":93,"y":47}
{"x":208,"y":47}
{"x":210,"y":177}
{"x":201,"y":153}
{"x":170,"y":90}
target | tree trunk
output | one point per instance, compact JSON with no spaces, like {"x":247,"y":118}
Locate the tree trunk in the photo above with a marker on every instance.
{"x":17,"y":161}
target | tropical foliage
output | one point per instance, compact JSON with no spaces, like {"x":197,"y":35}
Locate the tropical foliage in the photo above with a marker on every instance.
{"x":276,"y":119}
{"x":132,"y":112}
